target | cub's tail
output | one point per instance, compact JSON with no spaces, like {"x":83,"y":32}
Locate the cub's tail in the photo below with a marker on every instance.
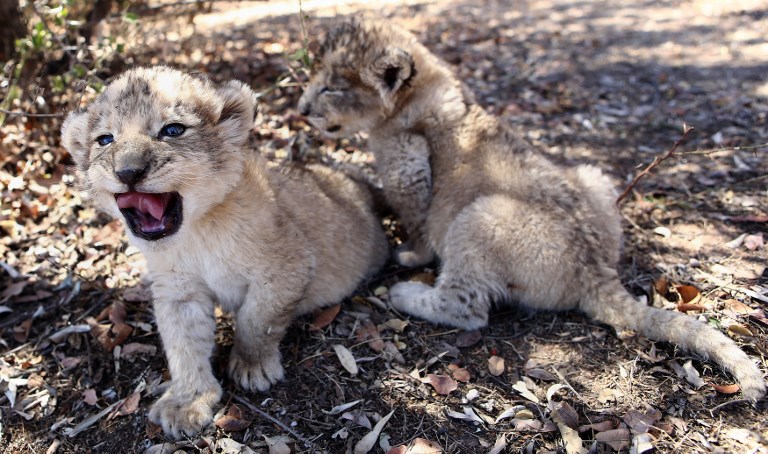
{"x":612,"y":304}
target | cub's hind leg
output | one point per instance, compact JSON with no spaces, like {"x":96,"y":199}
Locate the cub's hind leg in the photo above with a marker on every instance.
{"x":496,"y":249}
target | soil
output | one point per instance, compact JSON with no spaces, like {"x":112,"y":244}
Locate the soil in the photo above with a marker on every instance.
{"x":608,"y":82}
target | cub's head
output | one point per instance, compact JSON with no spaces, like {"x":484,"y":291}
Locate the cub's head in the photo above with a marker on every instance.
{"x":159,"y":148}
{"x":360,"y":73}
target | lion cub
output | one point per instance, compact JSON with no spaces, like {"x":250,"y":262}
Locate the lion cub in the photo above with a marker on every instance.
{"x":166,"y":152}
{"x":507,"y":223}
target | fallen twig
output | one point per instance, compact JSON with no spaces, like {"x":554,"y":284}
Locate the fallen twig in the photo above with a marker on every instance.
{"x":263,"y":414}
{"x":656,"y":161}
{"x":27,"y":114}
{"x":718,"y":150}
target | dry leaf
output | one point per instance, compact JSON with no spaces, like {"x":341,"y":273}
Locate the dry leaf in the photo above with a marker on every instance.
{"x":496,"y":365}
{"x":753,"y":242}
{"x":727,"y":389}
{"x":276,"y":445}
{"x":641,"y":443}
{"x":748,"y":218}
{"x":686,"y":307}
{"x":368,"y":332}
{"x":89,"y":397}
{"x":521,"y":425}
{"x":688,"y":294}
{"x":468,"y":338}
{"x":499,"y":446}
{"x":369,"y":440}
{"x":21,"y":331}
{"x":133,"y":349}
{"x":567,"y":421}
{"x":417,"y":446}
{"x":540,"y":374}
{"x":510,"y":412}
{"x":131,"y":404}
{"x":117,"y":313}
{"x":741,"y":330}
{"x":738,"y":241}
{"x":692,"y":375}
{"x":443,"y":384}
{"x":598,"y":426}
{"x":346,"y":358}
{"x":521,"y":388}
{"x":228,"y":446}
{"x":640,"y":423}
{"x":62,"y":334}
{"x":663,"y":231}
{"x":358,"y":418}
{"x":738,"y":308}
{"x":397,"y":325}
{"x":13,"y":290}
{"x":661,"y":286}
{"x":233,"y":421}
{"x":324,"y":317}
{"x":68,"y":362}
{"x":341,"y":408}
{"x":109,"y":336}
{"x":617,"y":439}
{"x":459,"y":373}
{"x":564,"y":413}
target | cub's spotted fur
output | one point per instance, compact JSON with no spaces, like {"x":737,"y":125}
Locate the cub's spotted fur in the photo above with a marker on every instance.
{"x":507,"y":223}
{"x":166,"y":152}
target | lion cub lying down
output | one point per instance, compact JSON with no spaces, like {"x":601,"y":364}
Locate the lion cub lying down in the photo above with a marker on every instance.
{"x":507,"y":223}
{"x":166,"y":152}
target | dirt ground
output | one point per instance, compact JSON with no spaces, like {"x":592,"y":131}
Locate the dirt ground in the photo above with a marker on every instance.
{"x":608,"y":82}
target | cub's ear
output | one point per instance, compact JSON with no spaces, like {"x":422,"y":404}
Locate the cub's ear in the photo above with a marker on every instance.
{"x":238,"y":111}
{"x":390,"y":72}
{"x":74,"y":136}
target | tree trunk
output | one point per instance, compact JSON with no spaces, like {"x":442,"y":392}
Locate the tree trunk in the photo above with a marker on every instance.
{"x":11,"y":28}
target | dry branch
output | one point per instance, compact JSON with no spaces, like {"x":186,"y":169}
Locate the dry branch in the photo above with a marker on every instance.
{"x":656,"y":161}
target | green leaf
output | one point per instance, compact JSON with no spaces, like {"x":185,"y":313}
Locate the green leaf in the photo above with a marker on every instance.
{"x":131,"y":17}
{"x":79,"y":70}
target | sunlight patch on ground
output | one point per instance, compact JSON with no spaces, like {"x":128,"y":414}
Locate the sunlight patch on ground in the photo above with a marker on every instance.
{"x":242,"y":13}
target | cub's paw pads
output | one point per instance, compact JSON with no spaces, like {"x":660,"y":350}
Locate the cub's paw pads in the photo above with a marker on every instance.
{"x":182,"y":415}
{"x":403,"y":294}
{"x":255,"y":375}
{"x":412,"y":258}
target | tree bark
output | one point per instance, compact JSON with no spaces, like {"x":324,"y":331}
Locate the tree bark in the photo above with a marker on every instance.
{"x":11,"y":28}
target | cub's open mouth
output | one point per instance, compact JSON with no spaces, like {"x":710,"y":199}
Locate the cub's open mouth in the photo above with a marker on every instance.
{"x":334,"y":128}
{"x":149,"y":215}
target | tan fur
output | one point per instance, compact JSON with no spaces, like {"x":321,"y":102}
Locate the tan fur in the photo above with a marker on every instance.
{"x":265,"y":244}
{"x":507,"y":223}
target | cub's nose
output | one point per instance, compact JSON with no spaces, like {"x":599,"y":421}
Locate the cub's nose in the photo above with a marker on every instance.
{"x":131,"y":175}
{"x":304,"y":108}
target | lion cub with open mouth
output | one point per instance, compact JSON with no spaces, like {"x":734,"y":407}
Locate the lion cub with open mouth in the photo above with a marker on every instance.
{"x":166,"y":152}
{"x":507,"y":223}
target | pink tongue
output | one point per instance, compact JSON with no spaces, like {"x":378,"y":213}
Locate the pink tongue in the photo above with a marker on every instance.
{"x":154,"y":204}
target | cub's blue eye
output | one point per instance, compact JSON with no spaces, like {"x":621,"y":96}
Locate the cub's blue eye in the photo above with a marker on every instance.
{"x":105,"y":140}
{"x":173,"y":130}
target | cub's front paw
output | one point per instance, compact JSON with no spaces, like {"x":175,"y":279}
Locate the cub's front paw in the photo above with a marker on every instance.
{"x":411,"y":258}
{"x":183,"y":412}
{"x":402,"y":295}
{"x":255,"y":371}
